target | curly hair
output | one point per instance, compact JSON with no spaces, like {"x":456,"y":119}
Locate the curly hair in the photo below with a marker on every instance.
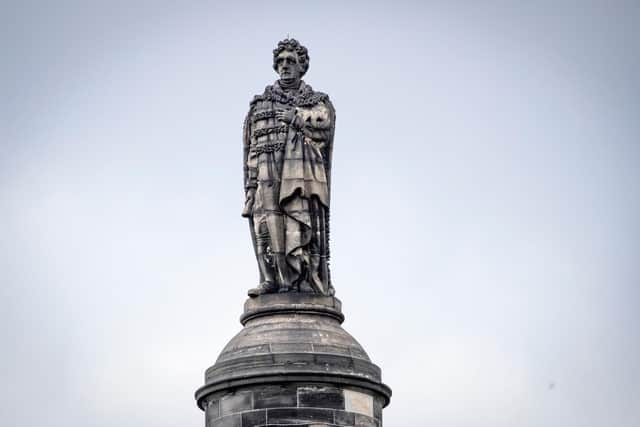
{"x":294,"y":46}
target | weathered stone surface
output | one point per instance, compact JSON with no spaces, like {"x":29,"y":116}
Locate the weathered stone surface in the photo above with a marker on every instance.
{"x":291,"y":303}
{"x":292,"y":404}
{"x":321,"y":397}
{"x":305,"y":342}
{"x":275,"y":396}
{"x":229,"y":421}
{"x":361,"y":403}
{"x":293,"y":368}
{"x":254,"y":418}
{"x":345,"y":418}
{"x":235,"y":403}
{"x":212,"y":410}
{"x":364,"y":421}
{"x":377,"y":409}
{"x":299,"y":415}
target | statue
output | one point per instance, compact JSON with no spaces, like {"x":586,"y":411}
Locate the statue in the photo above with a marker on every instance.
{"x":288,"y":140}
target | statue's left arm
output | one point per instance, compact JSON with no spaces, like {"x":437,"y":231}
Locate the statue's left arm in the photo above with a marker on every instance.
{"x":318,"y":124}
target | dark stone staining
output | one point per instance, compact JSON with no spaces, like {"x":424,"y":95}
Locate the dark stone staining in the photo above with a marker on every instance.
{"x":320,"y":397}
{"x":377,"y":408}
{"x":235,"y":403}
{"x":275,"y":396}
{"x":230,"y":421}
{"x":254,"y":418}
{"x":334,"y":361}
{"x":344,"y":418}
{"x":299,"y":416}
{"x":364,"y":421}
{"x":212,"y":412}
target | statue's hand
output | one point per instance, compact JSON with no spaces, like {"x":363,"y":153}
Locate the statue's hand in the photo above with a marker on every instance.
{"x":286,"y":115}
{"x":248,"y":204}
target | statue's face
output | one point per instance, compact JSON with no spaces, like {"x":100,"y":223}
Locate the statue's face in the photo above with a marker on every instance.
{"x":288,"y":66}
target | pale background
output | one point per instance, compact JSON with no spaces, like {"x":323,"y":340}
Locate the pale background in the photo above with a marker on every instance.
{"x":486,"y":203}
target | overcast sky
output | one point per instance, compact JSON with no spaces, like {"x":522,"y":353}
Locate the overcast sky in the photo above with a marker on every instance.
{"x":485,"y":205}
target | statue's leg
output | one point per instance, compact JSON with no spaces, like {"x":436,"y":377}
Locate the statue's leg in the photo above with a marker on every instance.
{"x":314,"y":277}
{"x":314,"y":253}
{"x":254,"y":240}
{"x":275,"y":222}
{"x":323,"y":239}
{"x":263,"y":242}
{"x":268,"y":283}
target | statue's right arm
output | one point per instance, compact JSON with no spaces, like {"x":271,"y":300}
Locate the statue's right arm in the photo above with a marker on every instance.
{"x":250,"y":167}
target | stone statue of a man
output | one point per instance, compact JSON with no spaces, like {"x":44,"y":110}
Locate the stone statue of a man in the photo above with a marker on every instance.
{"x":288,"y":140}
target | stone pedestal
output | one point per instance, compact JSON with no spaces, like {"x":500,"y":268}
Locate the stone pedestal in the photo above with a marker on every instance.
{"x":293,"y":364}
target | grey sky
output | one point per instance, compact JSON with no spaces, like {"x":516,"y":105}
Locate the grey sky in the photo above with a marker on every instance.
{"x":485,"y":232}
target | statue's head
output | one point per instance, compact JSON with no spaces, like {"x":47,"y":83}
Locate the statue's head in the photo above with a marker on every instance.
{"x":290,"y":60}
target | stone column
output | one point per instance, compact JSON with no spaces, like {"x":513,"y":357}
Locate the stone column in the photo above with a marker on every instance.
{"x":293,"y":364}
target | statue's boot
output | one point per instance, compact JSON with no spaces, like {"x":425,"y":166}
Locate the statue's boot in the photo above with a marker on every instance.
{"x":269,"y":284}
{"x":283,"y":276}
{"x":263,"y":288}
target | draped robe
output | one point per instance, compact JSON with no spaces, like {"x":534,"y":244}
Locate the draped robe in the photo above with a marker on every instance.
{"x":289,"y":166}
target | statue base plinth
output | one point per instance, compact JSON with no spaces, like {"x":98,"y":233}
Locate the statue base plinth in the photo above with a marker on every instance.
{"x":293,"y":363}
{"x":292,"y":303}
